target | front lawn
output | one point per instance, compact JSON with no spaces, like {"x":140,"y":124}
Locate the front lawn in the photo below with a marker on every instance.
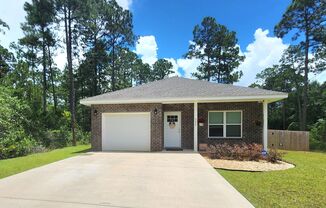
{"x":302,"y":186}
{"x":16,"y":165}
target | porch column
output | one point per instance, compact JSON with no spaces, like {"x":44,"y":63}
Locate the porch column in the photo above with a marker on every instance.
{"x":265,"y":124}
{"x":195,"y":126}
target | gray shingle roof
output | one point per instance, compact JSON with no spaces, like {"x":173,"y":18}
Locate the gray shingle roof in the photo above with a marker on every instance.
{"x":178,"y":88}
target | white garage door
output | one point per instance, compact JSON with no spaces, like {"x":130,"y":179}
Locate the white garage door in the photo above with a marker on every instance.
{"x":126,"y":131}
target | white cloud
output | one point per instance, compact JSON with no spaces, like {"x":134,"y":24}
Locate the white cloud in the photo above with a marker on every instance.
{"x":320,"y":77}
{"x":125,"y":4}
{"x":60,"y":59}
{"x":188,"y":66}
{"x":146,"y":48}
{"x":263,"y":52}
{"x":175,"y":65}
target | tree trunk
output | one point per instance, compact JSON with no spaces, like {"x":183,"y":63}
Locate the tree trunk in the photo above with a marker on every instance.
{"x":305,"y":79}
{"x":298,"y":99}
{"x":209,"y":69}
{"x":283,"y":115}
{"x":33,"y":74}
{"x":67,"y":18}
{"x":96,"y":82}
{"x":55,"y":103}
{"x":44,"y":70}
{"x":113,"y":69}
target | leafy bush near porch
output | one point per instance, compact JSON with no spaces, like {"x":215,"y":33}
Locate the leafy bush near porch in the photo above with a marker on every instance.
{"x":242,"y":151}
{"x":274,"y":156}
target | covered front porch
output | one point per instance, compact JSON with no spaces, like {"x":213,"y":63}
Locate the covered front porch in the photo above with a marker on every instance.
{"x":249,"y":123}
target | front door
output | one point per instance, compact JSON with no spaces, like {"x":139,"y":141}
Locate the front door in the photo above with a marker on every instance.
{"x":172,"y":129}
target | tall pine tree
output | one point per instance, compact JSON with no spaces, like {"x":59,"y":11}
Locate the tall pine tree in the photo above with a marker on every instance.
{"x":217,"y":49}
{"x":306,"y":18}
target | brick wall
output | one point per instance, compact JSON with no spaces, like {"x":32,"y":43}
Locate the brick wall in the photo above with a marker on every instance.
{"x":187,"y":122}
{"x":156,"y":122}
{"x":252,"y":121}
{"x":251,"y":132}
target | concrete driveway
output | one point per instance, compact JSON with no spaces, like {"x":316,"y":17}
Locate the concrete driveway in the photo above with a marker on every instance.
{"x":121,"y":180}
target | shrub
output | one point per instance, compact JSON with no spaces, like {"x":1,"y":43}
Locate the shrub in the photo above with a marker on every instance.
{"x":13,"y":118}
{"x":16,"y":144}
{"x":241,"y":151}
{"x":38,"y":148}
{"x":318,"y":135}
{"x":62,"y":138}
{"x":317,"y":145}
{"x":57,"y":138}
{"x":82,"y":137}
{"x":274,"y":156}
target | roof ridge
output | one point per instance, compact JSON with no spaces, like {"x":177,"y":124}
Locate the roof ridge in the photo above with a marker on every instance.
{"x":132,"y":87}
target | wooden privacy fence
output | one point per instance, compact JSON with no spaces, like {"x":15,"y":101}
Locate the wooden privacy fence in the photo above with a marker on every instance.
{"x":288,"y":140}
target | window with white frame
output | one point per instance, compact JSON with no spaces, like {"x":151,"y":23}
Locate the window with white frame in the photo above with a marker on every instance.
{"x":224,"y":124}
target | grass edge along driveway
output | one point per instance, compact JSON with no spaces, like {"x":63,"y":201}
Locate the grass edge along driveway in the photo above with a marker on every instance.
{"x":302,"y":186}
{"x":13,"y":166}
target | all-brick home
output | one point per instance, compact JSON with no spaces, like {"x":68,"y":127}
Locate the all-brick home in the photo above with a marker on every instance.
{"x":179,"y":113}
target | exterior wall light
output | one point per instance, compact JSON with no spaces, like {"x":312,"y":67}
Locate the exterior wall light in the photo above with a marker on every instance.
{"x":155,"y":111}
{"x":95,"y":112}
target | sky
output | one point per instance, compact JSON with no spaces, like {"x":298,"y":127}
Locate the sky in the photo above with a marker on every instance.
{"x":165,"y":30}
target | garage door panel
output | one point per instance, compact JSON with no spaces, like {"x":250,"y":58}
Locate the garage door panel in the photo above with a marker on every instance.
{"x":126,"y":131}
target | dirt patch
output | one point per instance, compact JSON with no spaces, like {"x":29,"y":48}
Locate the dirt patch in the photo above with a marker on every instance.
{"x":249,"y":165}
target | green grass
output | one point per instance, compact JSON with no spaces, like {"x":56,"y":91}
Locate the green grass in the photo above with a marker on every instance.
{"x":16,"y":165}
{"x":302,"y":186}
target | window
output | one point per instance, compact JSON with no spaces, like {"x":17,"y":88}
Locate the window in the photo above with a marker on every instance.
{"x":216,"y":121}
{"x":224,"y":124}
{"x":233,"y":124}
{"x":172,"y":118}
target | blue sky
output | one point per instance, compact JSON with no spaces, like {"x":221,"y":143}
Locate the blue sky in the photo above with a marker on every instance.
{"x":172,"y":21}
{"x":165,"y":29}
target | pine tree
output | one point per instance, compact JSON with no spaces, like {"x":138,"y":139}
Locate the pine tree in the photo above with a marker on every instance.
{"x":217,"y":49}
{"x":40,"y":15}
{"x":161,"y":69}
{"x":306,"y":18}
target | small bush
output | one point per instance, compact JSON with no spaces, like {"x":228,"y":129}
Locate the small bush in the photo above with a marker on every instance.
{"x":57,"y":138}
{"x":318,"y":135}
{"x":316,"y":145}
{"x":83,"y":137}
{"x":243,"y":151}
{"x":62,"y":138}
{"x":274,"y":156}
{"x":38,"y":149}
{"x":16,"y":144}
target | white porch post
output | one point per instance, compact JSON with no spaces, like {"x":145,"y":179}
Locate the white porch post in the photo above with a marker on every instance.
{"x":265,"y":124}
{"x":195,"y":126}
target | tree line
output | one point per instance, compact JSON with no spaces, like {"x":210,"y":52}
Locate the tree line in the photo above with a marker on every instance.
{"x":305,"y":109}
{"x":97,"y":37}
{"x":307,"y":20}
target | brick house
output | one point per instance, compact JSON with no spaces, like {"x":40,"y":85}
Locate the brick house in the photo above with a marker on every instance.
{"x":179,"y":113}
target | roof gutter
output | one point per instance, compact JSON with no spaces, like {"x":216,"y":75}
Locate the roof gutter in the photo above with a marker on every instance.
{"x":267,"y":98}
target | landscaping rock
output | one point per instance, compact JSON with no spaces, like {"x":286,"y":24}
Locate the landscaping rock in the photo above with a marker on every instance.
{"x":253,"y":166}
